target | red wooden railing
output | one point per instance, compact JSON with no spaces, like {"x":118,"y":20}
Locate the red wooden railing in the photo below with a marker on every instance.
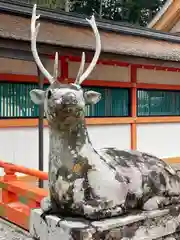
{"x":18,"y":197}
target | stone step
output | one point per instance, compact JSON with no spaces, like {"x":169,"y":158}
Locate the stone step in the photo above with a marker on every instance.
{"x":159,"y":224}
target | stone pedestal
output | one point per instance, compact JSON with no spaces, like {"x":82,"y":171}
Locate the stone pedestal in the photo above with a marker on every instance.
{"x":159,"y":224}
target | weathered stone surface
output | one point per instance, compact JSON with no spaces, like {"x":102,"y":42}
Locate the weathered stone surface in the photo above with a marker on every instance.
{"x":157,"y":224}
{"x":175,"y":236}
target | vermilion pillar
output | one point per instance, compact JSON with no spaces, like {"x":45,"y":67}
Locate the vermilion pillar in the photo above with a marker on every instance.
{"x":133,"y":107}
{"x":64,"y":69}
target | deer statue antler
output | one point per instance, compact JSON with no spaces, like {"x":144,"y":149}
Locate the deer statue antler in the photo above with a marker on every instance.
{"x":80,"y":79}
{"x":81,"y":68}
{"x":34,"y":33}
{"x":55,"y":74}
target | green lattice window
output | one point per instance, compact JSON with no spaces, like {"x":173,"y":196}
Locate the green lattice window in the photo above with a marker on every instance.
{"x":114,"y":103}
{"x":158,"y":103}
{"x":15,"y":101}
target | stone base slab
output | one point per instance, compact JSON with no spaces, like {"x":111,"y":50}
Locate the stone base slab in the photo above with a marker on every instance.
{"x":158,"y":224}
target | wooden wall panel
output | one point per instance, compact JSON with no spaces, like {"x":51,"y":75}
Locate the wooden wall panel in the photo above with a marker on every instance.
{"x":158,"y":77}
{"x":102,"y":72}
{"x":14,"y":66}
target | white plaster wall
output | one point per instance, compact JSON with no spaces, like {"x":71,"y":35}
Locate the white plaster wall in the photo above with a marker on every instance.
{"x":20,"y":145}
{"x":110,"y":136}
{"x":160,"y":139}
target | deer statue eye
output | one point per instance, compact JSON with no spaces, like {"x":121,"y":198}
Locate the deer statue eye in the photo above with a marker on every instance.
{"x":49,"y":94}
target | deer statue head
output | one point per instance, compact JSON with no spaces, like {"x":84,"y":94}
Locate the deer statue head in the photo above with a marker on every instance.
{"x":64,"y":103}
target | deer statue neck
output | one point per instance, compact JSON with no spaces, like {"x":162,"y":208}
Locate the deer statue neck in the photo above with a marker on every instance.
{"x":66,"y":144}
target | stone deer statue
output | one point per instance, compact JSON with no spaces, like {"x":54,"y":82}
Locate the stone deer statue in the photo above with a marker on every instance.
{"x":84,"y":181}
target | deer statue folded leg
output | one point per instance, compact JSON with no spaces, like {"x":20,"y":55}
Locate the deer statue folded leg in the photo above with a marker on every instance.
{"x":83,"y":181}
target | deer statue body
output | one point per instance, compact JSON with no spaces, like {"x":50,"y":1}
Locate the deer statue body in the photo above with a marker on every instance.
{"x":84,"y":181}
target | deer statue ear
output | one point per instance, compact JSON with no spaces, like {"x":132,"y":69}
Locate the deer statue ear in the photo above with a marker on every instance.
{"x":92,"y":97}
{"x":37,"y":96}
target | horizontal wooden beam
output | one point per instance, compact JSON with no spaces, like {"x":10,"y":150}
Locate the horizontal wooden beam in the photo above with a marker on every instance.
{"x":16,"y":54}
{"x":21,"y":122}
{"x":158,"y":86}
{"x":33,"y":122}
{"x":21,"y":169}
{"x":109,"y":120}
{"x":111,"y":62}
{"x":17,"y":78}
{"x":101,"y":61}
{"x":157,"y":120}
{"x":172,"y":160}
{"x":158,"y":68}
{"x":23,"y":189}
{"x":16,"y":213}
{"x":102,"y":83}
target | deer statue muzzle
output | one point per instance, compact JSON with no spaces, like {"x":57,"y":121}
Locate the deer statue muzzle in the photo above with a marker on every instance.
{"x":84,"y":181}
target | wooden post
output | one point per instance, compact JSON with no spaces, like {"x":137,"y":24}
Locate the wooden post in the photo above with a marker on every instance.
{"x":40,"y":128}
{"x":7,"y":197}
{"x":41,"y":124}
{"x":64,"y":69}
{"x":133,"y":108}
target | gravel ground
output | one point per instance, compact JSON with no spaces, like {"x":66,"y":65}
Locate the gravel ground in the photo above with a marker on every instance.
{"x":9,"y":231}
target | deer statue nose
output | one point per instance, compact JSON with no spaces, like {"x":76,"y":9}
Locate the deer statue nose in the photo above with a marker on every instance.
{"x":69,"y":98}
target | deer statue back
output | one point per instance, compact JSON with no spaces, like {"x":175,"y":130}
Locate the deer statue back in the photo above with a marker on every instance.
{"x":84,"y":181}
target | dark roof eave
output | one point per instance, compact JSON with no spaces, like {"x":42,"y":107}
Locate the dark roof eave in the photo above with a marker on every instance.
{"x":68,"y":18}
{"x":132,"y":53}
